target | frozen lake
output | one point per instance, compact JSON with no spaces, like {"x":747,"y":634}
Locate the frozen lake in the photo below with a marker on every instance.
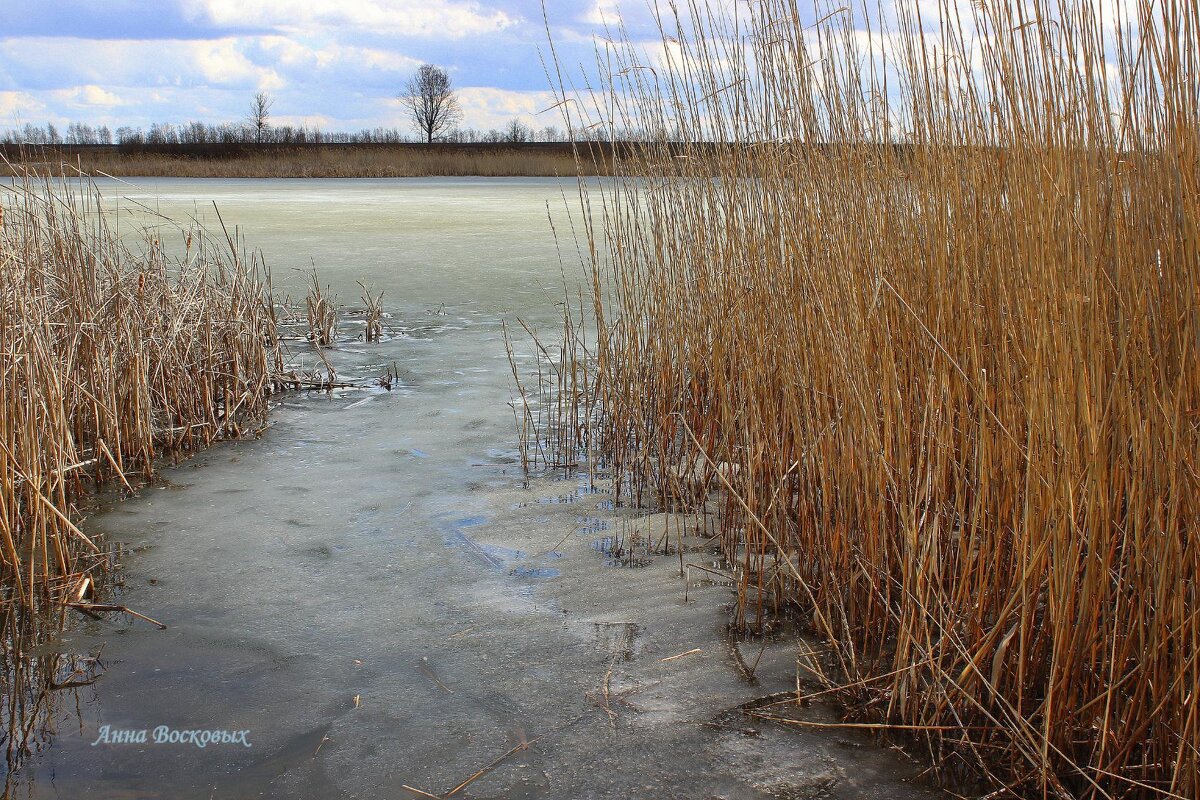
{"x":375,"y":592}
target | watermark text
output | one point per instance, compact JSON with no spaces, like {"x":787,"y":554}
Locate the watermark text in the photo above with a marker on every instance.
{"x":166,"y":735}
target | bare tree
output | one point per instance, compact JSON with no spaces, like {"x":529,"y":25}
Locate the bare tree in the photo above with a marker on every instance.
{"x":260,"y":116}
{"x":517,"y":131}
{"x":430,"y":102}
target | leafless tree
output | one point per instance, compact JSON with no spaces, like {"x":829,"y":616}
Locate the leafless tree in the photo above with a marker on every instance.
{"x":260,"y":116}
{"x":430,"y":101}
{"x":517,"y":131}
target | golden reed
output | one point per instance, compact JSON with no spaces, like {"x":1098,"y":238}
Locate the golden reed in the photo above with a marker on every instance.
{"x":924,"y":299}
{"x":110,"y":357}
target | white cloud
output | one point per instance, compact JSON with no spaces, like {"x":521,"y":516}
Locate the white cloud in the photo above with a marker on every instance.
{"x":1116,"y":15}
{"x":630,"y":13}
{"x":485,"y":107}
{"x":603,"y":12}
{"x":304,"y":62}
{"x":424,"y":18}
{"x":322,"y":122}
{"x":90,"y":95}
{"x":115,"y":63}
{"x":222,"y":62}
{"x":20,"y":107}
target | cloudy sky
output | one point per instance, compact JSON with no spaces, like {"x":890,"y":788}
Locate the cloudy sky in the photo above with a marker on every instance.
{"x":335,"y":64}
{"x":332,"y":64}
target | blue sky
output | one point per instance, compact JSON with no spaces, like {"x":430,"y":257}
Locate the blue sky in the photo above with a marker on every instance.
{"x":332,"y":64}
{"x":336,"y":64}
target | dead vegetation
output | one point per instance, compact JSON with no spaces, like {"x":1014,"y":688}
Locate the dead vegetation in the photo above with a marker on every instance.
{"x":932,"y":331}
{"x":321,"y":308}
{"x":323,"y":162}
{"x":112,"y":358}
{"x":372,"y":313}
{"x":117,"y":354}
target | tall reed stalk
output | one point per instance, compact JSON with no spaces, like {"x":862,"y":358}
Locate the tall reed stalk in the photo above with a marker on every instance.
{"x":927,"y":282}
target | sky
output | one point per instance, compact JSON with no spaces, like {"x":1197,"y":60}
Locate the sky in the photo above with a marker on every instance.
{"x":337,"y":65}
{"x":332,"y":64}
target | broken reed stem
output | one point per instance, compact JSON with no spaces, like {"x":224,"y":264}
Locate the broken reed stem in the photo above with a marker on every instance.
{"x":926,"y":282}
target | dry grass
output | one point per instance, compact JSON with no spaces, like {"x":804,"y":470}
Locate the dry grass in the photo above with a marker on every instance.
{"x":321,"y":310}
{"x":372,"y":313}
{"x":110,"y":358}
{"x":334,"y":162}
{"x":939,"y":314}
{"x":560,"y":393}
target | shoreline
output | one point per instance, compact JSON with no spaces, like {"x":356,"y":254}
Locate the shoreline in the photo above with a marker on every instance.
{"x":505,"y":159}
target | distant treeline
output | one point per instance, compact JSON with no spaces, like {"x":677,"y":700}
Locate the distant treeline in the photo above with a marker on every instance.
{"x":201,"y":133}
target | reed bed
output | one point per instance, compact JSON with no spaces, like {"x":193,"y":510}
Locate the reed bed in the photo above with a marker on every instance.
{"x":112,"y":358}
{"x":330,"y":162}
{"x":930,"y":324}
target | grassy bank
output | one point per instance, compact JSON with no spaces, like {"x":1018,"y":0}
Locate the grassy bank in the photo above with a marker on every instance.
{"x":530,"y":159}
{"x":949,"y":391}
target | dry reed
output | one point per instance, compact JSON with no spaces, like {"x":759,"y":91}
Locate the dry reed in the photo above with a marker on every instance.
{"x":935,"y":305}
{"x":110,"y":358}
{"x":321,"y":310}
{"x":326,"y":162}
{"x":373,"y":314}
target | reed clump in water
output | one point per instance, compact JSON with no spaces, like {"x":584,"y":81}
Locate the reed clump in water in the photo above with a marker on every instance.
{"x":557,"y":397}
{"x":111,"y":358}
{"x":373,"y":314}
{"x":321,"y":308}
{"x":934,"y":303}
